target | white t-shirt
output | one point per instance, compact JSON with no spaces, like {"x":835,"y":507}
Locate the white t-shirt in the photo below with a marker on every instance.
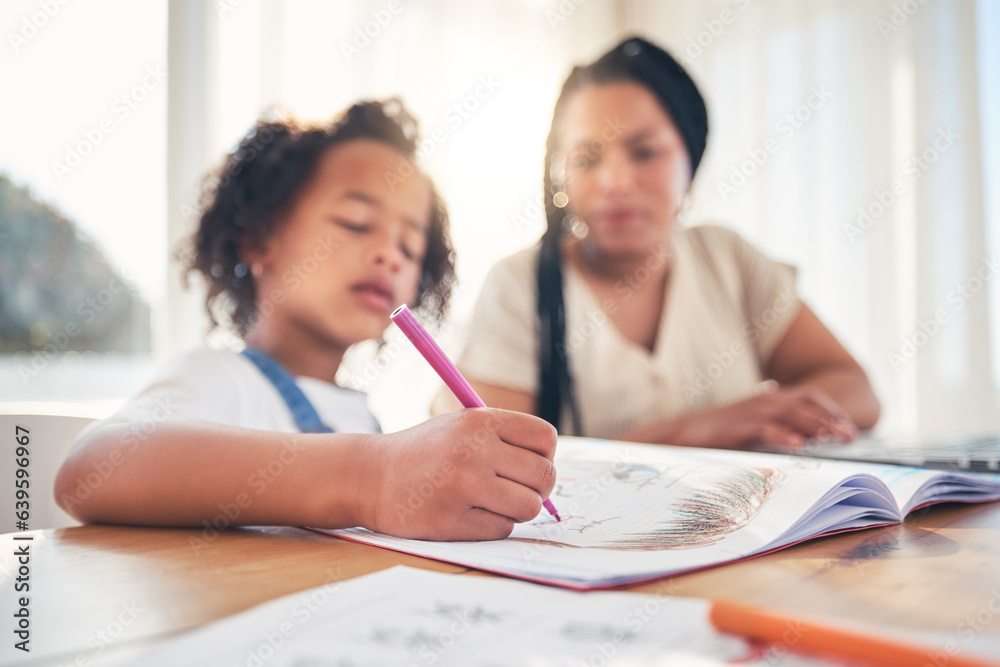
{"x":224,"y":387}
{"x":727,"y":308}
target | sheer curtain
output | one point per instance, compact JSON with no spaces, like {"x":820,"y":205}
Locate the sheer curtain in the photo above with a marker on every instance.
{"x":855,"y":139}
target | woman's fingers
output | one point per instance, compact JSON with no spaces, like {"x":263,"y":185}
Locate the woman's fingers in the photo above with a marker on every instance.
{"x":843,"y":424}
{"x":806,"y":410}
{"x":786,"y":416}
{"x":781,"y":435}
{"x":835,"y":420}
{"x":809,"y":418}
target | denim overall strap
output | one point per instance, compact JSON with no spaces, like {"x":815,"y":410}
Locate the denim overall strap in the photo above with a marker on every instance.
{"x":303,"y":412}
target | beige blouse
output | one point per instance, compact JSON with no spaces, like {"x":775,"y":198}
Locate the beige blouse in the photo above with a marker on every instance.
{"x":727,"y":309}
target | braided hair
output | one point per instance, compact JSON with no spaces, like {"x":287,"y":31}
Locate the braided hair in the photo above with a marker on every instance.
{"x":634,"y":60}
{"x":259,"y":184}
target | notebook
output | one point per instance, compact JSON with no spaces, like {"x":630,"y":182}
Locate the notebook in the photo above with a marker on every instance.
{"x":633,"y":513}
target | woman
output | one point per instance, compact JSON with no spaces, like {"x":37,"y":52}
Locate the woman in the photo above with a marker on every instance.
{"x":623,"y":324}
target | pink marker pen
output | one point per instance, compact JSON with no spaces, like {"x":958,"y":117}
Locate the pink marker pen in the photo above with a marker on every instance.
{"x":430,"y":350}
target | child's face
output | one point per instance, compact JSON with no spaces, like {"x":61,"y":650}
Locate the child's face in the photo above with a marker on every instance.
{"x":349,"y":252}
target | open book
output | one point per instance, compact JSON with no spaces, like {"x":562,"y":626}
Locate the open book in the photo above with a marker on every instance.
{"x":633,"y":513}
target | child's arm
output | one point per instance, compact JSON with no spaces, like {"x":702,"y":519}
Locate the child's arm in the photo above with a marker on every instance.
{"x":464,"y":475}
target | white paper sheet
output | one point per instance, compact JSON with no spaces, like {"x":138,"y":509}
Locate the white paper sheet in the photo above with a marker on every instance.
{"x":410,"y":617}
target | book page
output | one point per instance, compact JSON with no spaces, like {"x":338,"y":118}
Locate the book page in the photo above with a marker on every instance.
{"x":913,"y":487}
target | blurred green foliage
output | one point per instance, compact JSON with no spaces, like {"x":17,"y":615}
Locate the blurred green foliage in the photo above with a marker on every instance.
{"x":58,"y":288}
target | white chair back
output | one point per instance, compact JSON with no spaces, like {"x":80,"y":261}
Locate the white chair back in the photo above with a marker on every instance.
{"x":49,"y":437}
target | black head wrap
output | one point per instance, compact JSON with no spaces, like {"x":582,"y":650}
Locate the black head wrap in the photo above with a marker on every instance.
{"x":637,"y":60}
{"x":634,"y":60}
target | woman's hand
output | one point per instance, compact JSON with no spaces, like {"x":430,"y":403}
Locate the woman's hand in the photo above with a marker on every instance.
{"x":466,"y":475}
{"x":786,"y":416}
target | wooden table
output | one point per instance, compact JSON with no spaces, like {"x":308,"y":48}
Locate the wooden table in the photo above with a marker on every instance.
{"x":99,"y":591}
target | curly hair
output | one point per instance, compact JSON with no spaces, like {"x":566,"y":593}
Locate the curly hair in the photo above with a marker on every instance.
{"x":248,"y":198}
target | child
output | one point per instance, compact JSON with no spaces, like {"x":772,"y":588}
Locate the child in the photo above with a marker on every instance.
{"x":309,"y":240}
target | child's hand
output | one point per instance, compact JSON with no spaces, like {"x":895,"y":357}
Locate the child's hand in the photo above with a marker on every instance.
{"x":466,"y":475}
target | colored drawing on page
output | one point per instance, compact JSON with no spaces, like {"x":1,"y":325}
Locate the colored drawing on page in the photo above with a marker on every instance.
{"x":644,"y":507}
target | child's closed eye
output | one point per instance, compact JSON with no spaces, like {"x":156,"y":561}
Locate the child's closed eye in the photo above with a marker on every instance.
{"x":352,"y":226}
{"x":411,"y":254}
